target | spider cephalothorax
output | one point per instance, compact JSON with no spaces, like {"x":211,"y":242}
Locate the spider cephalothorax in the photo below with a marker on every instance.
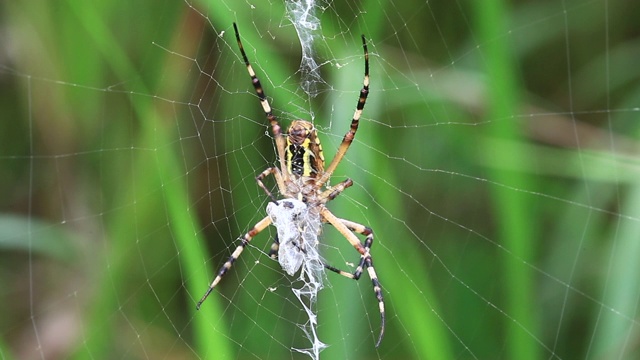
{"x":302,"y":176}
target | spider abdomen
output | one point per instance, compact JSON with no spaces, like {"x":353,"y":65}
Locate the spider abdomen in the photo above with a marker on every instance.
{"x":303,"y":154}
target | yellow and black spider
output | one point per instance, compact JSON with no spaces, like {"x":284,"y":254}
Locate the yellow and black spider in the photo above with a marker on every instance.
{"x":302,"y":177}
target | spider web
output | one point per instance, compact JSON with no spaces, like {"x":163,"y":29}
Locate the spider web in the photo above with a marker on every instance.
{"x":496,"y":162}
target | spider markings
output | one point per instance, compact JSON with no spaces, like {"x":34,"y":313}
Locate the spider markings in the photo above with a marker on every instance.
{"x":304,"y":151}
{"x":302,"y":176}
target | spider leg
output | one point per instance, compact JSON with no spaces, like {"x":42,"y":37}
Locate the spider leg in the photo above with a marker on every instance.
{"x":350,"y":135}
{"x":261,"y":225}
{"x":334,"y":191}
{"x":275,"y":125}
{"x":278,"y":175}
{"x":346,"y":228}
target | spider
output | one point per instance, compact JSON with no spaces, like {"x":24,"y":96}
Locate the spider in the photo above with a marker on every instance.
{"x":302,"y":176}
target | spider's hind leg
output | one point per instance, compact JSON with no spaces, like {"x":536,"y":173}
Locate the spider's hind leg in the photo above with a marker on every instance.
{"x":346,"y":228}
{"x":365,"y":256}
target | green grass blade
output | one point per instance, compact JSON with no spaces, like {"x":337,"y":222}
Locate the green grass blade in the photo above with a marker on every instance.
{"x":516,"y":221}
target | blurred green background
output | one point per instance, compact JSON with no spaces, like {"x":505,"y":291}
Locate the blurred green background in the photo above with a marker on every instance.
{"x":496,"y":162}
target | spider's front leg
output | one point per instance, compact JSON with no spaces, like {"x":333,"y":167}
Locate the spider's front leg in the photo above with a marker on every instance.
{"x":346,"y":228}
{"x":261,"y":225}
{"x":350,"y":135}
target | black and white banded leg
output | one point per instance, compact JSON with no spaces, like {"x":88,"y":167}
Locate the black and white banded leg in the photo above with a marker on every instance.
{"x":261,"y":225}
{"x":347,"y":229}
